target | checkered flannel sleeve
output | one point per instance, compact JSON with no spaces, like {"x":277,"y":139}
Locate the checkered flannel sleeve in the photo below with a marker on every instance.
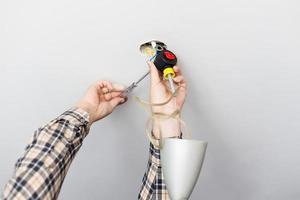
{"x":40,"y":172}
{"x":153,"y":184}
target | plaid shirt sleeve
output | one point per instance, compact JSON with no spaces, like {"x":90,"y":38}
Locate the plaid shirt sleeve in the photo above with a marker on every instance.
{"x":153,"y":184}
{"x":40,"y":172}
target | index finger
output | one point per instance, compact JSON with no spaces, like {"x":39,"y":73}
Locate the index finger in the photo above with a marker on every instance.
{"x":177,"y":70}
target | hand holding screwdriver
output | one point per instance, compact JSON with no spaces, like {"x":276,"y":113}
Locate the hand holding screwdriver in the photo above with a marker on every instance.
{"x":159,"y":93}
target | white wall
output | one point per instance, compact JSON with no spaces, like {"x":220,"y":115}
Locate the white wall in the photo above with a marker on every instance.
{"x":241,"y":59}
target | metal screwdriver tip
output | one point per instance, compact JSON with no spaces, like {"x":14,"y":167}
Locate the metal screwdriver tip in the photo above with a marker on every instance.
{"x":171,"y":83}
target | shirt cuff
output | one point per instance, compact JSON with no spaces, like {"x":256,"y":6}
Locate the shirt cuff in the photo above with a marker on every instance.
{"x":76,"y":116}
{"x":155,"y":152}
{"x":78,"y":119}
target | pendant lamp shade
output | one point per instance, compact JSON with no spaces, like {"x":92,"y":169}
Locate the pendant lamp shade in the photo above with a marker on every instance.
{"x":181,"y":161}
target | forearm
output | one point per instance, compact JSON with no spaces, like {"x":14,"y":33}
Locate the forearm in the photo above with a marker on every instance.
{"x":40,"y":172}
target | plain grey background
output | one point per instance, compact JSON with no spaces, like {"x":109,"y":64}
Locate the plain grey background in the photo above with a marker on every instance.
{"x":241,"y":60}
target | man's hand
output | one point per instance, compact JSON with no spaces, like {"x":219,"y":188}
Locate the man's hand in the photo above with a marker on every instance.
{"x":100,"y":99}
{"x":159,"y":93}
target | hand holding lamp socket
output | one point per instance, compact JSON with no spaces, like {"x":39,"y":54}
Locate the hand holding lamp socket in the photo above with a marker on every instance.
{"x":164,"y":61}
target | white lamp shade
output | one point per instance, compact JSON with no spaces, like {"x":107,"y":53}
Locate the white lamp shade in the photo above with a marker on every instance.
{"x":181,"y":161}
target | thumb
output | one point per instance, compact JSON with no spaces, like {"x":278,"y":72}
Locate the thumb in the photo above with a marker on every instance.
{"x":116,"y":101}
{"x":118,"y":87}
{"x":153,"y":73}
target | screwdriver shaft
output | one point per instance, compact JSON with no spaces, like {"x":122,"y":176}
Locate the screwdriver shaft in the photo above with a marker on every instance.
{"x":171,"y":83}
